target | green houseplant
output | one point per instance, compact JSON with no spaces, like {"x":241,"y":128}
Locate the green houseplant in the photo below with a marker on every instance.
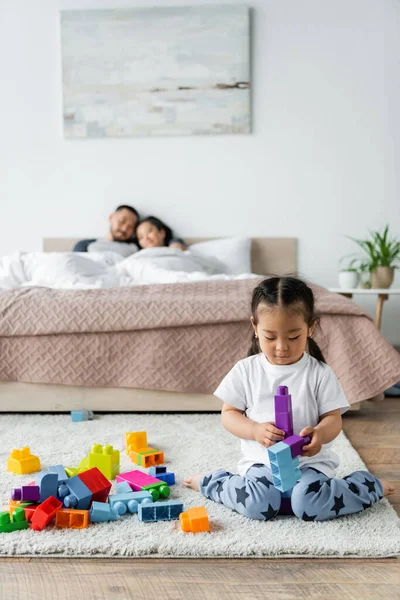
{"x":381,"y":256}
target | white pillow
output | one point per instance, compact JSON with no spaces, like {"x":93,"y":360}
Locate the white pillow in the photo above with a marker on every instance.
{"x":234,"y":254}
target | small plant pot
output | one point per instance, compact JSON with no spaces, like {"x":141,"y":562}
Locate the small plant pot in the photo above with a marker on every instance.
{"x":382,"y":277}
{"x":348,"y":279}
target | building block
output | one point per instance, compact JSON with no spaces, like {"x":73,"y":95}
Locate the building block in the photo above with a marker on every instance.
{"x":28,"y":509}
{"x":101,"y":512}
{"x":160,"y":511}
{"x":72,"y":519}
{"x":195,"y":520}
{"x":26,"y":493}
{"x":99,"y":486}
{"x":105,"y":458}
{"x":45,"y":513}
{"x":14,"y":522}
{"x":283,"y":410}
{"x":81,"y":415}
{"x":62,"y":475}
{"x":296,"y":443}
{"x":134,"y":440}
{"x":129,"y":501}
{"x":48,"y":483}
{"x":71,"y":471}
{"x":146,"y":457}
{"x":79,"y":496}
{"x":285,"y":471}
{"x":142,"y":481}
{"x":122,"y":487}
{"x":163,"y":474}
{"x":22,"y":461}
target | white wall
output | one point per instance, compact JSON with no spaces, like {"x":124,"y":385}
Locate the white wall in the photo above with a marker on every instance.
{"x":322,"y":162}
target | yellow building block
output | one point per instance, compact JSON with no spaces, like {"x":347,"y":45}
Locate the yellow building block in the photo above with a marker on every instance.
{"x":134,"y":440}
{"x":22,"y":461}
{"x":106,"y":459}
{"x":194,"y":520}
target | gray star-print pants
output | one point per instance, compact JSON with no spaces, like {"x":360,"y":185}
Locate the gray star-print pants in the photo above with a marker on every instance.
{"x":315,"y":497}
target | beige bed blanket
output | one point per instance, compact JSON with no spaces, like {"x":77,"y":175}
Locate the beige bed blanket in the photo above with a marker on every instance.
{"x":177,"y":337}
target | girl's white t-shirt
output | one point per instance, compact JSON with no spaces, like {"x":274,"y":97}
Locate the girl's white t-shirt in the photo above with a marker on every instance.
{"x":251,"y":386}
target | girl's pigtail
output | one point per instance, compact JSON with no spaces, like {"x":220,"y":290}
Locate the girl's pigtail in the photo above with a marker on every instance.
{"x":315,"y":351}
{"x":254,"y":348}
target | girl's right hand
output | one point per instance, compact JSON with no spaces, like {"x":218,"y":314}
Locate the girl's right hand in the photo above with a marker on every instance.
{"x":267,"y":434}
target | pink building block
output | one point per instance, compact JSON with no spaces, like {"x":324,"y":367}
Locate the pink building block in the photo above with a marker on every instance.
{"x":137,"y":480}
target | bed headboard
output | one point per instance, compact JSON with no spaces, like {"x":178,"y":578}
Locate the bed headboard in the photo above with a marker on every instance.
{"x":269,"y":256}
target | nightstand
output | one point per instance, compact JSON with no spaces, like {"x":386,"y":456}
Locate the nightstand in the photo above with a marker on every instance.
{"x":381,"y":293}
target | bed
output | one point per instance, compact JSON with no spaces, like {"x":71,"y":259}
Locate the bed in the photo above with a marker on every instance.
{"x":163,"y":347}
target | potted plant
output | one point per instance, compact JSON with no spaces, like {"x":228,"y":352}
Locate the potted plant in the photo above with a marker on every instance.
{"x":381,"y":257}
{"x":349,"y":276}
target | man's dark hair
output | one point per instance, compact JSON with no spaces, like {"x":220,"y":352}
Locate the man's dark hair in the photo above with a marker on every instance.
{"x":127,"y":207}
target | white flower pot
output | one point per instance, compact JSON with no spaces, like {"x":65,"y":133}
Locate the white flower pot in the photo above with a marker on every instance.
{"x":348,"y":279}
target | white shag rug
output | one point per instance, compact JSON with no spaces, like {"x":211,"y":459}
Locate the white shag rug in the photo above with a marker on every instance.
{"x":193,"y":443}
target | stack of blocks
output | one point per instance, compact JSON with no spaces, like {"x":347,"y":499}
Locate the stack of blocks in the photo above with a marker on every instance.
{"x":283,"y":456}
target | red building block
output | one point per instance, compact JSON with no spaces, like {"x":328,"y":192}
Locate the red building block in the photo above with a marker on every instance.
{"x":97,"y":484}
{"x":45,"y":513}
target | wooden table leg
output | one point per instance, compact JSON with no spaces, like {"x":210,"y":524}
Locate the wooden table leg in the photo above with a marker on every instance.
{"x":379,"y":306}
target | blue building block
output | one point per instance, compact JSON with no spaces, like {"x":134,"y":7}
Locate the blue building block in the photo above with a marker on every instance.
{"x":101,"y":512}
{"x":129,"y":501}
{"x":160,"y":511}
{"x":285,"y":471}
{"x":81,"y":415}
{"x":122,"y":487}
{"x":59,"y":469}
{"x":161,"y":473}
{"x":79,"y":497}
{"x":48,"y":483}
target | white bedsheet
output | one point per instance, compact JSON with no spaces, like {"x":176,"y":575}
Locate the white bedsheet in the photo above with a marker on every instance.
{"x":75,"y":270}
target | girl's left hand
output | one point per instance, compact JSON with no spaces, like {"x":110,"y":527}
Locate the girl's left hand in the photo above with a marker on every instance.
{"x":316,"y":443}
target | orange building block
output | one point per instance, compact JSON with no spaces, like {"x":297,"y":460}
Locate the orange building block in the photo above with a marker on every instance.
{"x":147,"y":457}
{"x":195,"y":520}
{"x":22,"y":461}
{"x":73,"y":519}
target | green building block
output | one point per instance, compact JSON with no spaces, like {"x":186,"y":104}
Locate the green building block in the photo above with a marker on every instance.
{"x":13,"y":522}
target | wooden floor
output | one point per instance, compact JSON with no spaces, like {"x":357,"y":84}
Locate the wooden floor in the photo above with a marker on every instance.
{"x":375,"y":433}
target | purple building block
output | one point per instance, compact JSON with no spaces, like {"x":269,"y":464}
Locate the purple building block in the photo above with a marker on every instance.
{"x":296,"y":443}
{"x":26,"y":493}
{"x":283,"y":410}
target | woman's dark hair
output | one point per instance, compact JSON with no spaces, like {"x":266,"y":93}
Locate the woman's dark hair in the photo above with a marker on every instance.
{"x":160,"y":226}
{"x":286,"y":292}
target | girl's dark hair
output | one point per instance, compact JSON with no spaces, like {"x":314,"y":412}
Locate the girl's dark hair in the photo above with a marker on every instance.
{"x":286,"y":292}
{"x":160,"y":226}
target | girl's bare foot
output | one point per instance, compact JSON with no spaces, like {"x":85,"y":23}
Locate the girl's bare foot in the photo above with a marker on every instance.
{"x":193,"y":482}
{"x":388,"y":487}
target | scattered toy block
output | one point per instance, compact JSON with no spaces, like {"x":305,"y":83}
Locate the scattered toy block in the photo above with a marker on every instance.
{"x":61,"y":474}
{"x":26,"y":493}
{"x":105,"y":458}
{"x":45,"y":513}
{"x":81,"y":415}
{"x":22,"y":461}
{"x":134,"y":440}
{"x":71,"y":471}
{"x":162,"y":473}
{"x":194,"y":520}
{"x":48,"y":484}
{"x":101,"y":512}
{"x":142,"y":481}
{"x":122,"y":487}
{"x":99,"y":486}
{"x":159,"y":511}
{"x":146,"y":457}
{"x":72,"y":519}
{"x":129,"y":501}
{"x":80,"y":496}
{"x":13,"y":522}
